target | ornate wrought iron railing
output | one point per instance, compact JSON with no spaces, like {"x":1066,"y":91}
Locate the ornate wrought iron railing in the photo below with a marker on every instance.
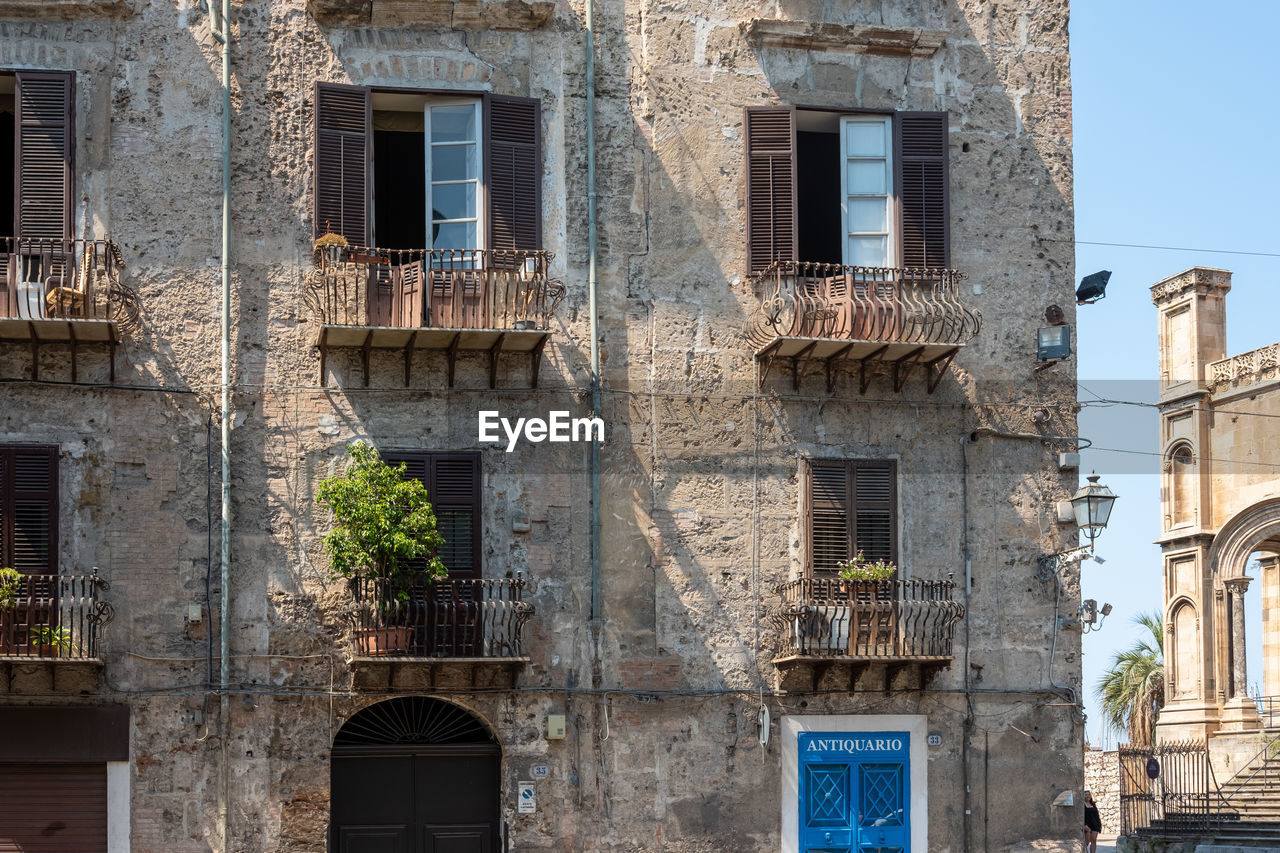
{"x":55,"y":616}
{"x":50,"y":279}
{"x":900,"y":619}
{"x":876,"y":304}
{"x":439,"y":288}
{"x":411,"y":616}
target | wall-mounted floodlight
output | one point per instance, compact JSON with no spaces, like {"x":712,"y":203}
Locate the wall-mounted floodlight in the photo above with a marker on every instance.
{"x":1092,"y":287}
{"x":1053,"y":342}
{"x":1091,"y":618}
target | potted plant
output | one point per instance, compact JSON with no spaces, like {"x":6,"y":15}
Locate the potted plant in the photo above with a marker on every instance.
{"x":873,"y":612}
{"x":383,"y":540}
{"x":51,"y":640}
{"x":10,"y":583}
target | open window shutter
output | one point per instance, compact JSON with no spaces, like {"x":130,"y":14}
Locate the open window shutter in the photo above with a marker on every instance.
{"x":455,"y":495}
{"x":921,"y":181}
{"x":771,"y":186}
{"x":29,"y":509}
{"x":875,"y":510}
{"x":828,"y":514}
{"x":513,"y":173}
{"x":343,"y":134}
{"x":45,"y":152}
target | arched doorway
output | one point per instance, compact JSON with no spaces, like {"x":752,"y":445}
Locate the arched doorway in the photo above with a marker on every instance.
{"x":415,"y":775}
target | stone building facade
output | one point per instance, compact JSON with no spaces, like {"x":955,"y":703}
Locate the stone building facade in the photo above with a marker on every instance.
{"x":1220,"y":507}
{"x":821,"y":239}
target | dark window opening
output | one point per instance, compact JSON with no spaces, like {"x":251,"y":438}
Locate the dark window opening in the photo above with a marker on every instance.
{"x":399,"y":186}
{"x":818,"y":196}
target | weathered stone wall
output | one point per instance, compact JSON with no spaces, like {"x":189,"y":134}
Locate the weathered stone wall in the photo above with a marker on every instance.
{"x":1102,"y":779}
{"x":701,"y":469}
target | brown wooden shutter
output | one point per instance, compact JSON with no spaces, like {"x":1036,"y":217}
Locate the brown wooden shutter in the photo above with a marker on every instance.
{"x":513,"y":173}
{"x":828,"y":514}
{"x":771,"y":186}
{"x":924,"y":238}
{"x":852,"y":507}
{"x":53,"y":807}
{"x":453,"y":486}
{"x":45,"y":153}
{"x":343,"y":134}
{"x":29,"y":509}
{"x":874,"y":516}
{"x":455,"y":496}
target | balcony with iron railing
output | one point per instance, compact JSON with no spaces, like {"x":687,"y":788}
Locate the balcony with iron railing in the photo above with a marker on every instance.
{"x":63,"y":291}
{"x":450,"y":300}
{"x":834,"y":628}
{"x":50,"y":637}
{"x":410,"y":631}
{"x":829,"y":313}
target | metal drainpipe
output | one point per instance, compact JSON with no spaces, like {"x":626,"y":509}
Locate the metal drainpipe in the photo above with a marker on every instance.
{"x":222,"y":32}
{"x":594,"y":331}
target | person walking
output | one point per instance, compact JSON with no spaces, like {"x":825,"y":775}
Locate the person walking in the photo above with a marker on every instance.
{"x":1092,"y":824}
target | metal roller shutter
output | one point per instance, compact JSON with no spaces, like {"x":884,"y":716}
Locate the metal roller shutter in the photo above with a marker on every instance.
{"x":53,"y":808}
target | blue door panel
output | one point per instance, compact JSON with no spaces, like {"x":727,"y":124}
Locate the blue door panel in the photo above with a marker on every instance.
{"x":854,"y":792}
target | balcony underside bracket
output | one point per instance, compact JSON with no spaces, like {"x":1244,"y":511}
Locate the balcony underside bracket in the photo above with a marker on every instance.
{"x":938,"y":368}
{"x":797,"y":363}
{"x":767,"y":357}
{"x":364,"y":355}
{"x":864,"y":381}
{"x":322,"y":345}
{"x":408,"y":355}
{"x":902,"y":368}
{"x":493,"y":361}
{"x":451,"y":354}
{"x":831,"y":366}
{"x":535,"y":361}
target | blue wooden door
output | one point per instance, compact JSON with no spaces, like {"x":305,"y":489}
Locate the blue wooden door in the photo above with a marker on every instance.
{"x":854,"y":792}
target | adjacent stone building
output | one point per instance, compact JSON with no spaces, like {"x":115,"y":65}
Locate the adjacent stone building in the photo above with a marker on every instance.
{"x":1221,"y":510}
{"x":811,"y":244}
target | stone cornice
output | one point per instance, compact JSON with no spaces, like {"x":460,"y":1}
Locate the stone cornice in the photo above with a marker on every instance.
{"x":1247,"y":368}
{"x":65,"y":10}
{"x":855,"y":38}
{"x":434,"y":14}
{"x":1202,"y":280}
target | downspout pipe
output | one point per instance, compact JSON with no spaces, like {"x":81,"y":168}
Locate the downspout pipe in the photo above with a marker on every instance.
{"x":593,"y":308}
{"x":221,"y":27}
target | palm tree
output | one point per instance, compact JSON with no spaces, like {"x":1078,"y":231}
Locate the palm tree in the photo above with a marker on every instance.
{"x":1132,"y":690}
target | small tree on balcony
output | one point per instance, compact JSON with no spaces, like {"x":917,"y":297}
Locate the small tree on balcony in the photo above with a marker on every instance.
{"x":383,"y":523}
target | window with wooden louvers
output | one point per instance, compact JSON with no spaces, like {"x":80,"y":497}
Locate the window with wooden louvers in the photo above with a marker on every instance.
{"x":771,"y":186}
{"x":924,"y":235}
{"x":29,"y":509}
{"x":513,"y":175}
{"x":512,"y":171}
{"x":453,"y":486}
{"x":45,"y":124}
{"x":919,"y":186}
{"x":343,"y":132}
{"x":852,"y":507}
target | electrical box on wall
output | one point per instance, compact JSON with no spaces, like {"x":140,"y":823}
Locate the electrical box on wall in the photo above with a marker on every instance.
{"x":555,"y":726}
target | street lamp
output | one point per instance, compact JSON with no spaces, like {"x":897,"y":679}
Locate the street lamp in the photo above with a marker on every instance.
{"x":1092,"y":506}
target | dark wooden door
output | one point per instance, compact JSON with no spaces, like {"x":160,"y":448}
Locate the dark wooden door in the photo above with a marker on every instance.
{"x":416,"y":799}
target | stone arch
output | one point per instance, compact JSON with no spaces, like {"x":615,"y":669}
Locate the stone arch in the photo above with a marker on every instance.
{"x":1182,"y":655}
{"x":415,"y":770}
{"x":1243,"y":535}
{"x":1180,"y":463}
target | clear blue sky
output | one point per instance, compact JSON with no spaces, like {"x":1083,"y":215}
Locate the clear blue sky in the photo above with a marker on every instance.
{"x":1175,"y":125}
